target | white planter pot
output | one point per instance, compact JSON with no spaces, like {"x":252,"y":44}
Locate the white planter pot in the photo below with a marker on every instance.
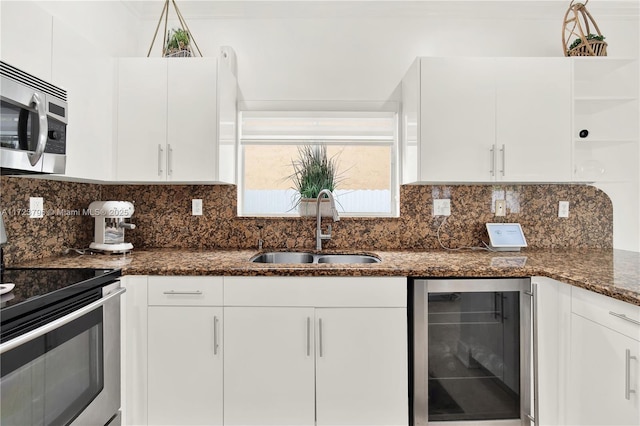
{"x":307,"y":207}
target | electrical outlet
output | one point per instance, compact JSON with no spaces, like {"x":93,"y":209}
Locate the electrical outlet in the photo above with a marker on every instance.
{"x":563,"y":209}
{"x":501,"y":207}
{"x":196,"y":207}
{"x":442,"y":207}
{"x":36,"y":207}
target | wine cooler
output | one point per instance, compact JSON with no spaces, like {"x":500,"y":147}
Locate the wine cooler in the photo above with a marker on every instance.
{"x":471,"y":351}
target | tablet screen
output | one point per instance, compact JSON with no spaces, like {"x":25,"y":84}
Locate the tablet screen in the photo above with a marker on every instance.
{"x":506,"y":235}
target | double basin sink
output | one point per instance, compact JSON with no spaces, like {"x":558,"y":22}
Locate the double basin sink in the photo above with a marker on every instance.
{"x":298,"y":257}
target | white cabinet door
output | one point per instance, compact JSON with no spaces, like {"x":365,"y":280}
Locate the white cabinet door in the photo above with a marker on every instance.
{"x":457,"y":119}
{"x":599,"y":376}
{"x":185,"y":365}
{"x":269,"y":366}
{"x":192,"y":120}
{"x":26,"y":37}
{"x":361,"y":366}
{"x":553,"y":315}
{"x":533,"y":110}
{"x":142,"y":119}
{"x":492,"y":119}
{"x":88,"y":76}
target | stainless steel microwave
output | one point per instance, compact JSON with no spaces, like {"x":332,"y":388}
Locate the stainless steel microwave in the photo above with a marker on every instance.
{"x":33,"y":124}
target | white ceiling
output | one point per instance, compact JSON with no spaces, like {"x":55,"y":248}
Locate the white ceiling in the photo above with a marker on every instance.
{"x":517,"y":9}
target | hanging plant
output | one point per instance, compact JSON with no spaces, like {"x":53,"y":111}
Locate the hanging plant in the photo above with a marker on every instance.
{"x":178,"y":43}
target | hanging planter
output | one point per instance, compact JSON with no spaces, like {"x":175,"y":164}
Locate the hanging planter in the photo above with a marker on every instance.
{"x":577,"y":38}
{"x":177,"y":43}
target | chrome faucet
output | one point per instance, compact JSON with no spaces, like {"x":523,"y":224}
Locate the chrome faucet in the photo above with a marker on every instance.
{"x":319,"y":235}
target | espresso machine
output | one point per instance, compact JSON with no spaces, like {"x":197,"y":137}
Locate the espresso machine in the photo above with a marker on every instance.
{"x":110,"y":224}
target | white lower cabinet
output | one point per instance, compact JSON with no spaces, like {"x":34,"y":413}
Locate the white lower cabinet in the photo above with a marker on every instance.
{"x":553,"y":316}
{"x":185,"y":351}
{"x":604,"y":379}
{"x":325,"y":351}
{"x":269,"y":366}
{"x":271,"y":351}
{"x":185,"y":365}
{"x":361,"y":370}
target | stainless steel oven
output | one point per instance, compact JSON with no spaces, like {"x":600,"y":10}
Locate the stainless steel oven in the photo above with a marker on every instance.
{"x":471,"y":352}
{"x":33,"y":123}
{"x":60,"y":347}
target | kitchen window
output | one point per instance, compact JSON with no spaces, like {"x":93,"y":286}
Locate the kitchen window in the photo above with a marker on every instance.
{"x":364,"y":143}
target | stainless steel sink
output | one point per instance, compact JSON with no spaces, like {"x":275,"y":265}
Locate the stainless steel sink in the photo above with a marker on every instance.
{"x":283,"y":257}
{"x":347,"y":258}
{"x":297,"y":257}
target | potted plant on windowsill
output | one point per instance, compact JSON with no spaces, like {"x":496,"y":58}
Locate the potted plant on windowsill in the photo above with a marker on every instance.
{"x":313,"y":171}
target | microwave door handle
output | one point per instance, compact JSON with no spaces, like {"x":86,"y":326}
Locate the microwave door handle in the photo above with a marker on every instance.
{"x":43,"y":129}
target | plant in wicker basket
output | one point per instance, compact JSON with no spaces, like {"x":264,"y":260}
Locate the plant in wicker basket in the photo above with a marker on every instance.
{"x":577,"y":27}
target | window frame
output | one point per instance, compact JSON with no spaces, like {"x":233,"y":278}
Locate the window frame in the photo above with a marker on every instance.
{"x":325,"y":107}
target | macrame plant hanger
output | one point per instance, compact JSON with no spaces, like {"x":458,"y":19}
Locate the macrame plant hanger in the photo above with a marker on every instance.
{"x":183,"y":25}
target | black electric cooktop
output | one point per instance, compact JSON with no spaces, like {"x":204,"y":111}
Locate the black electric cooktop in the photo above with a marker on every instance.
{"x":40,"y":289}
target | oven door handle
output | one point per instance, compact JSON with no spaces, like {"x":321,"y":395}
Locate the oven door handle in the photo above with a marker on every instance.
{"x":27,"y":337}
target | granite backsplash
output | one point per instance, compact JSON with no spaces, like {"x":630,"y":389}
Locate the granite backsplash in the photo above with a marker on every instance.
{"x":163,"y":218}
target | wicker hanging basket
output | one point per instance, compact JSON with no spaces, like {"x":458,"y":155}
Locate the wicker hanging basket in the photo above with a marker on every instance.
{"x":577,"y":38}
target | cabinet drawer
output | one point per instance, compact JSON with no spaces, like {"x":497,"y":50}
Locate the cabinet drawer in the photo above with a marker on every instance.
{"x":607,"y":311}
{"x":185,"y":291}
{"x":316,"y":291}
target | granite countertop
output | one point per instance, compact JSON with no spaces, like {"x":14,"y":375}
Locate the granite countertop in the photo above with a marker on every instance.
{"x":614,"y":273}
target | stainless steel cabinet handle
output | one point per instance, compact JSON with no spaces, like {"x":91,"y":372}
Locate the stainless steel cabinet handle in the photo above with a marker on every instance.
{"x":308,"y":336}
{"x":503,"y":150}
{"x":27,"y":337}
{"x":320,"y":336}
{"x":159,"y":160}
{"x":182,"y":292}
{"x":534,"y":321}
{"x":627,"y":375}
{"x":493,"y":160}
{"x":43,"y":129}
{"x":215,"y":335}
{"x":624,"y":317}
{"x":169,"y":160}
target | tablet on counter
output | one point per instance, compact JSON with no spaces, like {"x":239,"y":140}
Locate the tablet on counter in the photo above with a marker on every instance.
{"x":506,"y":236}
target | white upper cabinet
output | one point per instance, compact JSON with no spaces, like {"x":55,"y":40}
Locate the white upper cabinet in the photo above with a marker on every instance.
{"x":88,"y":76}
{"x":533,"y":119}
{"x":167,"y":120}
{"x":457,"y":119}
{"x":26,"y":37}
{"x":487,"y":119}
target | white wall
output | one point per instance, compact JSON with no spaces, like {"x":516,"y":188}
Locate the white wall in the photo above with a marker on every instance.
{"x":364,"y":58}
{"x":363,"y":53}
